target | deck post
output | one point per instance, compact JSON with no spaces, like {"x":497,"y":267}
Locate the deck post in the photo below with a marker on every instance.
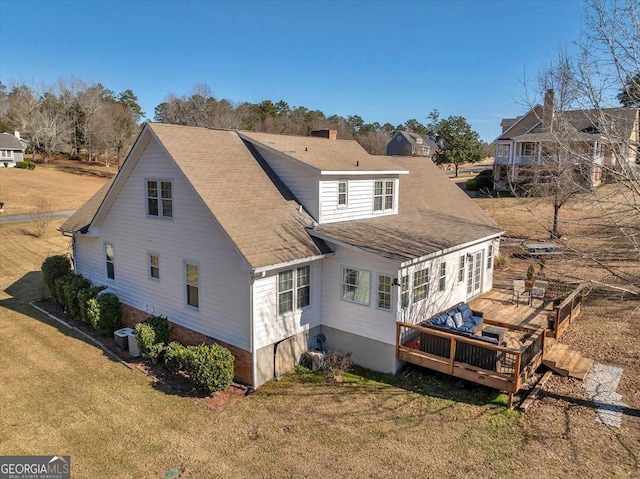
{"x":510,"y":401}
{"x":452,"y":355}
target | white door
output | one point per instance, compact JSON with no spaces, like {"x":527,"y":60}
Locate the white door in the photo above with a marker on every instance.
{"x":474,"y":274}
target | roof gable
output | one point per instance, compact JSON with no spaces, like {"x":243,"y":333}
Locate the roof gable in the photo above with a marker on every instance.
{"x":10,"y":142}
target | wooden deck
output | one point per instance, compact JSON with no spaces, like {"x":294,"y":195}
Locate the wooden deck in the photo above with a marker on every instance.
{"x":498,"y":305}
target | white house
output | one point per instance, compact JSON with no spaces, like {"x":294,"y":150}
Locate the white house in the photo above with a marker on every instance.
{"x":11,"y":149}
{"x":262,"y":242}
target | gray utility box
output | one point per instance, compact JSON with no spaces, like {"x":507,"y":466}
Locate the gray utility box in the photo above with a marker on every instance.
{"x":121,"y":337}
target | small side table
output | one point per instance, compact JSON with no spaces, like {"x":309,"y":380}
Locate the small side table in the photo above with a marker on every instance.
{"x":494,"y":332}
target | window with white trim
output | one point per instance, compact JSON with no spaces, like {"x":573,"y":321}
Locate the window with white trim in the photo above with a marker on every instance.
{"x":461,"y":267}
{"x":383,"y":196}
{"x":442,"y":279}
{"x":404,"y":292}
{"x":6,"y":154}
{"x":294,"y":288}
{"x":503,"y":151}
{"x":154,"y":266}
{"x":160,"y":198}
{"x":384,"y":292}
{"x":110,"y":259}
{"x":355,"y":285}
{"x":420,"y":285}
{"x":192,"y":276}
{"x":343,"y":193}
{"x":490,"y":256}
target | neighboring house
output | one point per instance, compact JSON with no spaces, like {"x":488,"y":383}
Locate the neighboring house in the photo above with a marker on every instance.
{"x":262,"y":242}
{"x":593,"y":142}
{"x":11,"y":149}
{"x":406,"y":143}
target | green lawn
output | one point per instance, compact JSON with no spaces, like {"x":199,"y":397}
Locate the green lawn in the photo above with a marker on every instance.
{"x":61,"y":395}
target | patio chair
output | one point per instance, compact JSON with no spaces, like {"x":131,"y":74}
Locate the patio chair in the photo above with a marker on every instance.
{"x":538,"y":291}
{"x":519,"y":289}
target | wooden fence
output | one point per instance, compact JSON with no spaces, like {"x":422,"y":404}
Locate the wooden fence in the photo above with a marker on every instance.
{"x":562,"y":314}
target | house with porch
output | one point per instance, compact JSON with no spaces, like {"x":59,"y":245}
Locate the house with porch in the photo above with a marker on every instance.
{"x":270,"y":244}
{"x":594,"y":144}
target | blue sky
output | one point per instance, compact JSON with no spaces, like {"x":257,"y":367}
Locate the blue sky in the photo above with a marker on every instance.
{"x":385,"y":61}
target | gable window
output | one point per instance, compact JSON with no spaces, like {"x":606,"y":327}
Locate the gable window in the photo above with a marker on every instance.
{"x":384,"y":292}
{"x":442,"y":279}
{"x":420,"y":285}
{"x":342,"y":193}
{"x":461,"y":269}
{"x":383,"y":195}
{"x":404,"y":292}
{"x":192,"y":272}
{"x":490,"y":256}
{"x":355,"y":285}
{"x":288,"y":295}
{"x":110,"y":260}
{"x":160,"y":198}
{"x":154,"y":266}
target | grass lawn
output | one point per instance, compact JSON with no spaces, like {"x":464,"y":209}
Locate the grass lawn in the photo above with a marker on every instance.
{"x":62,"y":395}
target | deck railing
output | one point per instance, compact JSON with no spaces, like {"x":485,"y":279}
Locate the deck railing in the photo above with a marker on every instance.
{"x":499,"y":367}
{"x":562,"y":314}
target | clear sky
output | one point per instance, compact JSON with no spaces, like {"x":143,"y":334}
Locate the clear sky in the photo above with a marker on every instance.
{"x":387,"y":61}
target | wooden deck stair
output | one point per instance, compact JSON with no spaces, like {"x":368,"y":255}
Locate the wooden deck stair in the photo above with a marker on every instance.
{"x":564,"y":361}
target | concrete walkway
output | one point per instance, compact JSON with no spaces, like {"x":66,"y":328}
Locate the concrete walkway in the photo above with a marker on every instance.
{"x":601,"y":387}
{"x":30,"y":217}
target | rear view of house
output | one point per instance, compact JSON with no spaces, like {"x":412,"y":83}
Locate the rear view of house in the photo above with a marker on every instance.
{"x":264,"y":242}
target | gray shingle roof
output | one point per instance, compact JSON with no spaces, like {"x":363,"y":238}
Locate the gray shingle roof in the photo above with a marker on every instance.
{"x":9,"y":142}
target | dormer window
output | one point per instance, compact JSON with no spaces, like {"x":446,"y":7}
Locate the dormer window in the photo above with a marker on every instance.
{"x":383,"y":195}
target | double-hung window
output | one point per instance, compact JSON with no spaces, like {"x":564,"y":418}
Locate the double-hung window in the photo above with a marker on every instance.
{"x":355,"y":285}
{"x":490,"y":257}
{"x":160,"y":198}
{"x":294,"y":288}
{"x":383,"y":195}
{"x":110,"y":260}
{"x":461,"y":266}
{"x":343,"y":193}
{"x":6,"y":154}
{"x":420,"y":285}
{"x":442,"y":279}
{"x":192,"y":275}
{"x":384,"y":292}
{"x":154,"y":266}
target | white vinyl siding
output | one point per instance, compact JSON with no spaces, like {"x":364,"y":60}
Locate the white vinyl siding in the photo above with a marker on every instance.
{"x":192,"y":235}
{"x":356,"y":285}
{"x":360,"y":199}
{"x":270,"y":326}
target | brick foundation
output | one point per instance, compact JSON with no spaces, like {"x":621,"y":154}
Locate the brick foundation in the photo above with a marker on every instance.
{"x":243,"y":365}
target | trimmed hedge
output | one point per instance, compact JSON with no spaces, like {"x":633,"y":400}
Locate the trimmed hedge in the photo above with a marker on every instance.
{"x":73,"y":285}
{"x":83,"y":300}
{"x":210,"y":367}
{"x":54,"y":267}
{"x":25,"y":165}
{"x":105,"y":312}
{"x":153,"y":335}
{"x":472,"y":185}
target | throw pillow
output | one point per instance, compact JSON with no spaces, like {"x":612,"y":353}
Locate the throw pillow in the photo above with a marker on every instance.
{"x":457,"y":319}
{"x":449,"y":323}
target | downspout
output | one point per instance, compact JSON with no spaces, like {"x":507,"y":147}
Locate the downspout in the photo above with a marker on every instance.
{"x":254,"y":365}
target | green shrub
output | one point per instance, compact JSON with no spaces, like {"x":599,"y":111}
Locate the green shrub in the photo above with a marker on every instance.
{"x":71,"y":290}
{"x":22,"y":164}
{"x":31,"y":165}
{"x":58,"y":290}
{"x":175,"y":356}
{"x":105,"y":312}
{"x":84,"y":296}
{"x":6,"y":165}
{"x":210,"y":367}
{"x":160,"y":325}
{"x":53,"y":268}
{"x":150,"y":348}
{"x":472,"y":185}
{"x":484,"y":182}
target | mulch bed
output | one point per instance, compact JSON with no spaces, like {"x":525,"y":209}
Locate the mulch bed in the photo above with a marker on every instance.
{"x":172,"y":383}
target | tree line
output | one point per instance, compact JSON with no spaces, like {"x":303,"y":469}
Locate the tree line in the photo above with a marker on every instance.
{"x":86,"y":120}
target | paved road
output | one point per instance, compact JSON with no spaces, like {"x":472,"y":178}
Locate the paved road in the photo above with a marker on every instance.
{"x":29,"y":218}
